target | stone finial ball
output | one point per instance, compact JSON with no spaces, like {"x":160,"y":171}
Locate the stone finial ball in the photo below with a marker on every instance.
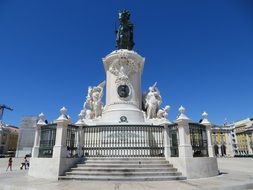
{"x":181,"y":110}
{"x":63,"y":110}
{"x":41,"y":115}
{"x":204,"y":114}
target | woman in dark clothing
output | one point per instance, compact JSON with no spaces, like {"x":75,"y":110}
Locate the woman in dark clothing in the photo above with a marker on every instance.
{"x":9,"y":164}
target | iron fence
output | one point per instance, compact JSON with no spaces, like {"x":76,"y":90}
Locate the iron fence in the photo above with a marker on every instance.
{"x":47,"y":140}
{"x":173,"y":136}
{"x":123,"y":141}
{"x":198,"y":139}
{"x":71,"y":140}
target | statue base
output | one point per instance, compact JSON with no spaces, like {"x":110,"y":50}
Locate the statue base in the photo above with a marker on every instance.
{"x":123,"y":114}
{"x":123,"y":87}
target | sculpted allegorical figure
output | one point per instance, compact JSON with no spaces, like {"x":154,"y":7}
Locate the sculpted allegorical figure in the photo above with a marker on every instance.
{"x":93,"y":104}
{"x":153,"y":100}
{"x":163,"y":113}
{"x":122,"y":77}
{"x":87,"y":103}
{"x":97,"y":103}
{"x":88,"y":114}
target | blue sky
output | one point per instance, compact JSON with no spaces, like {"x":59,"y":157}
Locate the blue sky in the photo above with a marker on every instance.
{"x":199,"y":52}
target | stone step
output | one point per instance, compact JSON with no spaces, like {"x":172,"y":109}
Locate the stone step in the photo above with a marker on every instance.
{"x":124,"y":158}
{"x":119,"y":178}
{"x":116,"y":173}
{"x":130,"y":165}
{"x":126,"y":162}
{"x":123,"y":169}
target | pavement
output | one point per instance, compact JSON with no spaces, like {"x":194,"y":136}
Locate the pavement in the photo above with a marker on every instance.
{"x":236,"y":173}
{"x":4,"y":163}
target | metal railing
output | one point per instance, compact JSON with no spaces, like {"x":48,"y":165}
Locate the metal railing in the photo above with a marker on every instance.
{"x":47,"y":140}
{"x":123,"y":141}
{"x":173,"y":136}
{"x":198,"y":139}
{"x":71,"y":140}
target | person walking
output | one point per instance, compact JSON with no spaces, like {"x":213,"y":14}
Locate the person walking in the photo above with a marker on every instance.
{"x":9,"y":164}
{"x":27,"y":164}
{"x":24,"y":163}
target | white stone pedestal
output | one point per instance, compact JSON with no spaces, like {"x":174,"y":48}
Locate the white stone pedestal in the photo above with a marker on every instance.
{"x":184,"y":148}
{"x":123,"y":69}
{"x":208,"y":133}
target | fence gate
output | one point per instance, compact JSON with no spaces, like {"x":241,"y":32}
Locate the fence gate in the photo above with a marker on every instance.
{"x":47,"y":140}
{"x":173,"y":135}
{"x":198,"y":139}
{"x":123,"y":141}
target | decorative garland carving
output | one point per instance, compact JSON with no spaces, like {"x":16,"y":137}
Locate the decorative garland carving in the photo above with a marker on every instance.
{"x":123,"y":67}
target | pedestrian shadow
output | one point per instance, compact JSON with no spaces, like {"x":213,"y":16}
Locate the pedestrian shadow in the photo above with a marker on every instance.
{"x":222,"y":173}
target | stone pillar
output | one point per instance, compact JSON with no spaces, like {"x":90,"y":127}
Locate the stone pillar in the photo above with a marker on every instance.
{"x":185,"y":148}
{"x":167,"y":151}
{"x":80,"y":133}
{"x":36,"y":145}
{"x":60,"y":148}
{"x":208,"y":133}
{"x":80,"y":147}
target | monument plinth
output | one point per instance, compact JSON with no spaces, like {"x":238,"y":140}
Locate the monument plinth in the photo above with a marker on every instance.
{"x":123,"y":87}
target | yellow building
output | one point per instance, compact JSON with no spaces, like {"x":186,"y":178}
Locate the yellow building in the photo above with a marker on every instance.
{"x":223,"y":140}
{"x":244,"y":135}
{"x":8,"y":139}
{"x":12,"y":138}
